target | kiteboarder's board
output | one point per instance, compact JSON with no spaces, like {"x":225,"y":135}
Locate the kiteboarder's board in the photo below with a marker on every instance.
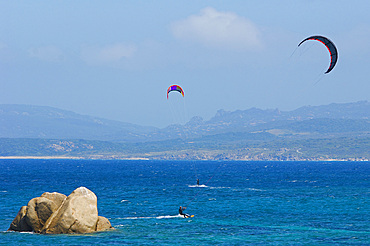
{"x":187,"y":215}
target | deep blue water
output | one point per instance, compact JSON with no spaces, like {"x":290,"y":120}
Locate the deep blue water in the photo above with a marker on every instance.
{"x":238,"y":203}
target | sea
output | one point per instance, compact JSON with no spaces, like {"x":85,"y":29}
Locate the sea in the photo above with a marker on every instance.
{"x":235,"y":203}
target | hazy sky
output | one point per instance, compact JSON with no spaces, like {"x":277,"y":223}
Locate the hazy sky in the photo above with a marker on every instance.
{"x":116,"y":59}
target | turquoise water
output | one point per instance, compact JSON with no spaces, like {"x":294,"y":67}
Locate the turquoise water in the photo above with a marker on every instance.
{"x":237,"y":203}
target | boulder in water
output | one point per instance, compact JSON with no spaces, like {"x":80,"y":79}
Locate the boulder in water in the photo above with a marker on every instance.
{"x":78,"y":214}
{"x":39,"y":209}
{"x":103,"y":224}
{"x":19,"y":223}
{"x":55,"y":213}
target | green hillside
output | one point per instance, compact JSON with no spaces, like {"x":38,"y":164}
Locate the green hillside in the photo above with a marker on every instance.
{"x":335,"y":131}
{"x":345,"y":148}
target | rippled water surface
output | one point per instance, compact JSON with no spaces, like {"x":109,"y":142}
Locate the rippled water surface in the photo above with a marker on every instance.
{"x":236,"y":203}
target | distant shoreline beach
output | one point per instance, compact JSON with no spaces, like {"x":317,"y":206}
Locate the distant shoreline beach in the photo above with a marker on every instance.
{"x":64,"y":158}
{"x":141,"y":158}
{"x":39,"y":157}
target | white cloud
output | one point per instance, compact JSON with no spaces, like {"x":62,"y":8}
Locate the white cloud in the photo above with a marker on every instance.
{"x":107,"y":54}
{"x":218,"y":29}
{"x":47,"y":53}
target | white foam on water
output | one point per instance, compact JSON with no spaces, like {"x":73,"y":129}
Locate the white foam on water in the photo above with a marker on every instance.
{"x":302,"y":181}
{"x":219,"y":187}
{"x":157,"y":217}
{"x":136,"y":218}
{"x":254,"y":189}
{"x":170,"y":216}
{"x":197,"y":186}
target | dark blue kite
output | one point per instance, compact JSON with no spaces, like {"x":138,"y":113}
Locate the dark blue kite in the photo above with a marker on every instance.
{"x":331,"y":47}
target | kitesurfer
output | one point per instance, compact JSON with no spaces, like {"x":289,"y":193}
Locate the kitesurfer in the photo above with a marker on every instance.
{"x":181,"y":212}
{"x":198,"y":182}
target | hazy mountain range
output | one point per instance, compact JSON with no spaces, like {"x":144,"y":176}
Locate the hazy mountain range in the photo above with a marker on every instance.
{"x":24,"y":121}
{"x":35,"y":130}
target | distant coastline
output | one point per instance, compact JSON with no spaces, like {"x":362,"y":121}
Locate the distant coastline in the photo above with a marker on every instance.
{"x":39,"y":157}
{"x":163,"y":159}
{"x":334,"y":132}
{"x":66,"y":158}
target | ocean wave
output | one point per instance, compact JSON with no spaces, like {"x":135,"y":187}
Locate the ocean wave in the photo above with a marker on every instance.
{"x":197,"y":186}
{"x":169,"y":216}
{"x":302,"y":181}
{"x":22,"y":232}
{"x":220,"y":187}
{"x":156,"y":217}
{"x":254,"y":189}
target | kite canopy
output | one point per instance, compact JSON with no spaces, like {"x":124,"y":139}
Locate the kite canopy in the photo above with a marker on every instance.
{"x":331,"y":47}
{"x":175,"y":88}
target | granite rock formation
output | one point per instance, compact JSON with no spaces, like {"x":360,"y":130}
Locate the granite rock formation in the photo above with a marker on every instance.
{"x":55,"y":213}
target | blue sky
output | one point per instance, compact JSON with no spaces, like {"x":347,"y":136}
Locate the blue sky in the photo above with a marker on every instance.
{"x":116,"y":59}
